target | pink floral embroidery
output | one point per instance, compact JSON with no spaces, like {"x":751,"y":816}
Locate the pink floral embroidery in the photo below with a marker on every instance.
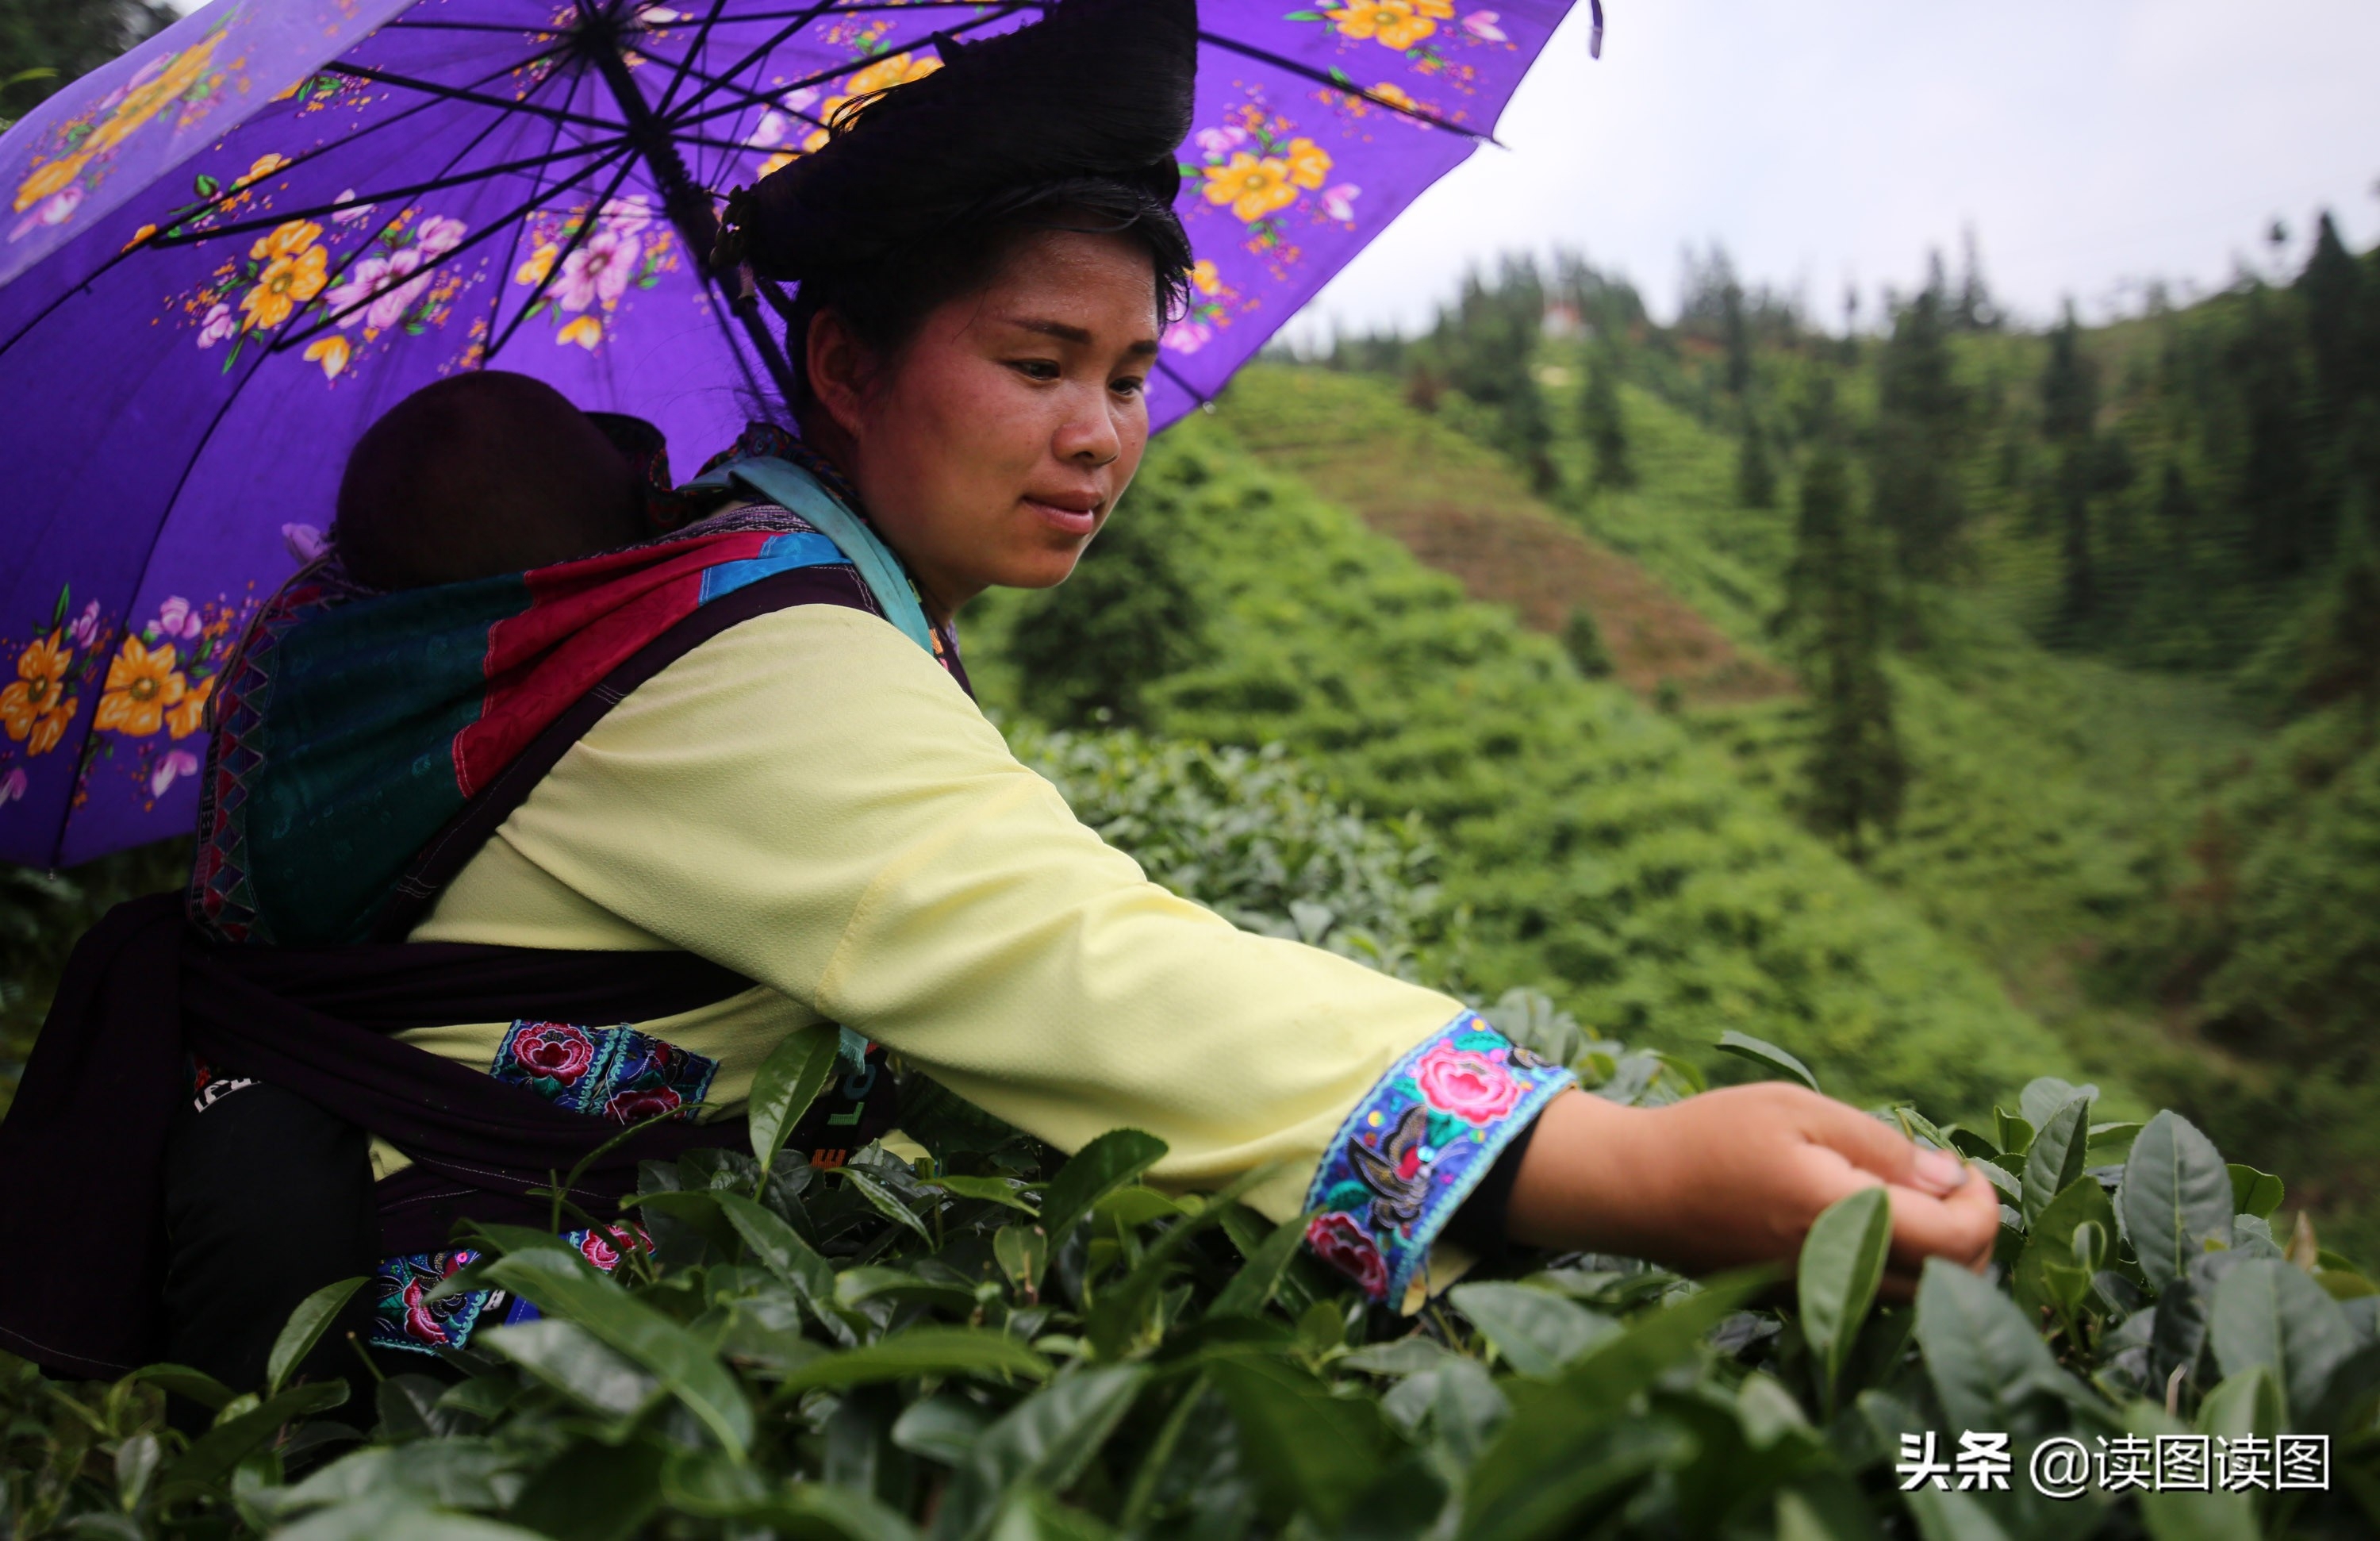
{"x":418,"y":1320}
{"x":556,"y":1050}
{"x":12,"y":786}
{"x":634,"y":1106}
{"x":1467,"y":1083}
{"x":1482,"y":25}
{"x":1340,"y":1242}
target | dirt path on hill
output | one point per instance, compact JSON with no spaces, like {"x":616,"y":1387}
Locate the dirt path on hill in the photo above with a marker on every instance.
{"x":1458,"y":508}
{"x":1526,"y":558}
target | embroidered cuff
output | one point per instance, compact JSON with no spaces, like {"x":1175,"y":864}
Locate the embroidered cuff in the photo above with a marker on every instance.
{"x":402,"y":1318}
{"x":1416,"y":1147}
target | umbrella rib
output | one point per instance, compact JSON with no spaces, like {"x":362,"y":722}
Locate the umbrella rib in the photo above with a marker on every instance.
{"x":554,"y":269}
{"x":178,"y":236}
{"x":462,"y":93}
{"x":190,"y":211}
{"x":776,"y":41}
{"x":520,"y":228}
{"x":408,"y":25}
{"x":1337,"y":83}
{"x":284,"y":343}
{"x":686,"y":114}
{"x":701,"y":41}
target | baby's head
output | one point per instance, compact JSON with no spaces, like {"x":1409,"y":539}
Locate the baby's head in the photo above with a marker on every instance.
{"x":479,"y":475}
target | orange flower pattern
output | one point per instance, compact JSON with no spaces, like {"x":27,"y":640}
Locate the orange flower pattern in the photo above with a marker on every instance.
{"x":141,"y":684}
{"x":36,"y":708}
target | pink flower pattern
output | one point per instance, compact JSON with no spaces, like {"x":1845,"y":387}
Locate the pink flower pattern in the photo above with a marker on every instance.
{"x":1416,"y":1146}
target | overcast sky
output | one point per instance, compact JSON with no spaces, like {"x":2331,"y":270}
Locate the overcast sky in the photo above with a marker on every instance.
{"x":2090,"y":143}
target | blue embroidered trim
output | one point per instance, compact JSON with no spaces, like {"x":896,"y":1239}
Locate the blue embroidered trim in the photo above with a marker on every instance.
{"x":615,"y":1073}
{"x":1421,"y":1139}
{"x":402,"y":1319}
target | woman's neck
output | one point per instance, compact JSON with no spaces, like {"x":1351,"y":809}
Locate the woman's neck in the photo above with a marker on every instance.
{"x":826,"y":439}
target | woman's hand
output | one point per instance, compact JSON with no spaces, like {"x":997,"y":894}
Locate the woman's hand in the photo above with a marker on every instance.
{"x":1736,"y":1176}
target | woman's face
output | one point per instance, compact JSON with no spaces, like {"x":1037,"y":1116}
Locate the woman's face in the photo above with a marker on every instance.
{"x":995,"y":445}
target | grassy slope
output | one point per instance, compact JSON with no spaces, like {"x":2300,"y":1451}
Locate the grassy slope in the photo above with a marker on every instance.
{"x":1601,"y":852}
{"x":2057,"y":799}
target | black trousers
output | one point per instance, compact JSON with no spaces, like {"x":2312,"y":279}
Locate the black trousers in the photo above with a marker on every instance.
{"x":268,"y":1198}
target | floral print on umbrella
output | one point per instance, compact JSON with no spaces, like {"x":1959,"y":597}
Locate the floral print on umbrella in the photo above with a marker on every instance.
{"x":580,"y":269}
{"x":77,"y":154}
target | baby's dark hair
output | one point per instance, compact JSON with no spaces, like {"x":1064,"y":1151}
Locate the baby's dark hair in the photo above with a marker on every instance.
{"x":478,"y":474}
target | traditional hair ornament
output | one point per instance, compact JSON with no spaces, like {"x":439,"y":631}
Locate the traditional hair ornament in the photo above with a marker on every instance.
{"x":727,"y":254}
{"x":1096,"y":90}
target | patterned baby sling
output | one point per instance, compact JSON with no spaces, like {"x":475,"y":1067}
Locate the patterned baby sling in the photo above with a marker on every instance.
{"x":366,"y":746}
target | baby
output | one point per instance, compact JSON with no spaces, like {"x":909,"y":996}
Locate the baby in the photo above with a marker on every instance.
{"x":484,"y":474}
{"x":477,"y":476}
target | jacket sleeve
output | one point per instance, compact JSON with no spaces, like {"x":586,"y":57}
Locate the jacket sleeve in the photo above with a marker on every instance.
{"x":811,"y":800}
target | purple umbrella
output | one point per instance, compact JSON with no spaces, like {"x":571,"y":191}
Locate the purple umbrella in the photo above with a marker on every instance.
{"x":225,"y":253}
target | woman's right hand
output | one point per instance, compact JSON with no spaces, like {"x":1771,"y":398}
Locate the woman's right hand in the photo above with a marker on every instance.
{"x":1736,"y":1177}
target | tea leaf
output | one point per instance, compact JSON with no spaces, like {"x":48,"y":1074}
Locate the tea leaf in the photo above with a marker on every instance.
{"x":936,"y":1351}
{"x":1766,"y":1055}
{"x":1535,"y":1332}
{"x":2176,"y":1193}
{"x":1097,"y":1170}
{"x":305,"y":1328}
{"x":788,"y":1081}
{"x":1988,"y":1364}
{"x":2054,"y":1158}
{"x":1311,"y":1451}
{"x":560,"y":1283}
{"x":1841,"y":1263}
{"x":2254,"y":1192}
{"x":2270,"y":1314}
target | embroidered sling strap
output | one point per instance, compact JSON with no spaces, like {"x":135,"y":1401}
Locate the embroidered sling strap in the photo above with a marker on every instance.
{"x":367,"y":746}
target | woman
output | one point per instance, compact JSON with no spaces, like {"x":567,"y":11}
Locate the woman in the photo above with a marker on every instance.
{"x":792,"y":814}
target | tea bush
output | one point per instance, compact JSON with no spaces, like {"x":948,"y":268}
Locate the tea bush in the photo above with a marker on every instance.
{"x":995,"y":1344}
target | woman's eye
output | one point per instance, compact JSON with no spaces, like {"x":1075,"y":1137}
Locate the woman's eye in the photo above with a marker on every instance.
{"x":1130,"y":386}
{"x":1034,"y":368}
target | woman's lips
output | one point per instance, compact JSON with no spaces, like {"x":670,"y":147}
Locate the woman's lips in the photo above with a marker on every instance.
{"x":1073,"y":521}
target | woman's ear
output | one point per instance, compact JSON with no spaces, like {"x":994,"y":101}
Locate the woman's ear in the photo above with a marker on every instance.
{"x":839,"y":367}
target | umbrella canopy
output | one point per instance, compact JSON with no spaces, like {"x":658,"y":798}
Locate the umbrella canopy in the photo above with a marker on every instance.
{"x":223,"y":255}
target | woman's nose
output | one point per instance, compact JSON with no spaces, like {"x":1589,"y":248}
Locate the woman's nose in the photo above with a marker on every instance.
{"x":1089,"y":435}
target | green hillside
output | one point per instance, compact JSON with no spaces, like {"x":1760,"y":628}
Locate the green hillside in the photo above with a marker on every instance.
{"x":1588,"y":846}
{"x":2124,"y":591}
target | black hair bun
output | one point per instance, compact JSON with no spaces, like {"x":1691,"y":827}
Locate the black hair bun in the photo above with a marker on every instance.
{"x":1097,"y":90}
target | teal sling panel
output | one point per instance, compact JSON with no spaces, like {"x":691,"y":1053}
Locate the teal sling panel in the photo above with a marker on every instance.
{"x":789,"y":486}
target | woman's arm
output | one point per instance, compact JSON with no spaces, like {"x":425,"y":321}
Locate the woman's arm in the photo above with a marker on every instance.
{"x":1736,"y":1176}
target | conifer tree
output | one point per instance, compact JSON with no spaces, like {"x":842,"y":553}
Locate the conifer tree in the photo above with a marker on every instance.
{"x":2275,"y":476}
{"x":1605,"y":427}
{"x":2344,"y":659}
{"x":2332,"y":288}
{"x":2069,"y":417}
{"x":1755,"y":474}
{"x":1489,"y":348}
{"x":1921,"y":421}
{"x":1854,"y":772}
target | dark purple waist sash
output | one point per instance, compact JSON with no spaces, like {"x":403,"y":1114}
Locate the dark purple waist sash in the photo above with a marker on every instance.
{"x":81,"y":1149}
